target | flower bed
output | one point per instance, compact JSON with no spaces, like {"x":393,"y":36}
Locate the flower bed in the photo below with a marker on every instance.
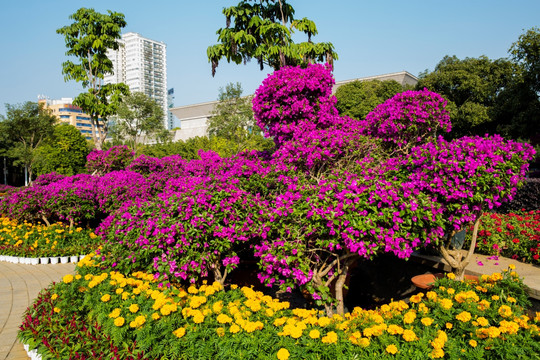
{"x":513,"y":235}
{"x":34,"y":241}
{"x":110,"y":315}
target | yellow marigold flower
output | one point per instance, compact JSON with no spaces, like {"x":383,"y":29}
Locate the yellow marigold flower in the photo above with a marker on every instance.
{"x":155,"y":316}
{"x":134,"y":308}
{"x":54,"y":296}
{"x":269,"y":312}
{"x":179,"y":332}
{"x":495,"y":277}
{"x":119,"y":291}
{"x":482,"y":321}
{"x":280,"y":321}
{"x":451,"y":291}
{"x":511,"y":299}
{"x":234,"y":328}
{"x":106,"y":298}
{"x":125,"y":295}
{"x":446,"y":303}
{"x":217,"y":307}
{"x":437,"y":353}
{"x":431,"y":295}
{"x":330,"y":338}
{"x":537,"y":317}
{"x":119,"y":321}
{"x":115,"y":313}
{"x":323,"y":321}
{"x":512,"y":266}
{"x":294,"y":331}
{"x":224,"y":319}
{"x":423,"y":308}
{"x":508,"y":327}
{"x":495,"y":297}
{"x":56,"y":310}
{"x":451,"y":276}
{"x":409,"y":335}
{"x":198,"y":318}
{"x":505,"y":311}
{"x":464,"y":316}
{"x":483,"y":305}
{"x":449,"y":325}
{"x":392,"y":349}
{"x":409,"y":317}
{"x":473,"y":343}
{"x":220,"y":331}
{"x":234,"y":286}
{"x":67,"y":278}
{"x":417,"y":298}
{"x":192,"y":290}
{"x":394,"y":329}
{"x":427,"y":321}
{"x":314,"y":334}
{"x":283,"y":354}
{"x":364,"y":342}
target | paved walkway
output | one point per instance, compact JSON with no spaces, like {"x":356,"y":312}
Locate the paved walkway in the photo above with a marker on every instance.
{"x":19,"y":286}
{"x":480,"y":264}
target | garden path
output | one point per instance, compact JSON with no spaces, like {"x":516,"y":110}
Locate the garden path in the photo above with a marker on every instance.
{"x":482,"y":264}
{"x":19,"y":286}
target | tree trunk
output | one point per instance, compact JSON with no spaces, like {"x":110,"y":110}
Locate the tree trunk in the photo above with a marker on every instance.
{"x":340,"y":282}
{"x":217,"y":275}
{"x":45,"y":220}
{"x":458,"y":259}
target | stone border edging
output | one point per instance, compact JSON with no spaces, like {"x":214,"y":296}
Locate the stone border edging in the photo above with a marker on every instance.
{"x":32,"y":354}
{"x":42,"y":260}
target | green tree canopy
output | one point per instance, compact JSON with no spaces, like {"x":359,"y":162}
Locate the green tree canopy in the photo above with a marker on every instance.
{"x":357,"y":98}
{"x":526,"y":52}
{"x":232,"y":120}
{"x":87,"y":39}
{"x":26,"y":126}
{"x":139,"y":115}
{"x":263,"y":30}
{"x":64,"y":152}
{"x":471,"y":86}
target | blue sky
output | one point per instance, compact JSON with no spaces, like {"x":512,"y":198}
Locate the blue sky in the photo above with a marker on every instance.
{"x":371,"y":38}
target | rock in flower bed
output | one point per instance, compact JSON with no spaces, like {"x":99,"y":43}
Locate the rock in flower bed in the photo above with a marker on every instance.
{"x":110,"y":315}
{"x":34,"y":241}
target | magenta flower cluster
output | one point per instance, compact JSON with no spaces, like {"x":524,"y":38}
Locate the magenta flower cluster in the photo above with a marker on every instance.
{"x":409,"y":118}
{"x":116,"y":158}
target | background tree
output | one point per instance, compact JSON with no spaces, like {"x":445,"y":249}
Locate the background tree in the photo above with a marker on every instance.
{"x":64,"y":152}
{"x":357,"y":98}
{"x":518,"y":106}
{"x":139,"y":115}
{"x":526,"y":52}
{"x":27,"y":126}
{"x":232,"y":120}
{"x":471,"y":86}
{"x":263,"y":30}
{"x":88,"y":38}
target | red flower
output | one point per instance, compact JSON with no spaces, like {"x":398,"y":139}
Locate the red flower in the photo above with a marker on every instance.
{"x":535,"y":257}
{"x":515,"y":241}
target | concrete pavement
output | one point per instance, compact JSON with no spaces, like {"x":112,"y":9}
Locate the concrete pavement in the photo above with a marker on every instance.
{"x":482,"y":264}
{"x":19,"y":286}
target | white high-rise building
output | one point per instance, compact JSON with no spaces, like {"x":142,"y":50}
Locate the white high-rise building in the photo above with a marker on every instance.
{"x":141,"y":64}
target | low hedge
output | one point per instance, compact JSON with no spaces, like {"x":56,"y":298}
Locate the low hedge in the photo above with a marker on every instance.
{"x":141,"y":318}
{"x":28,"y":240}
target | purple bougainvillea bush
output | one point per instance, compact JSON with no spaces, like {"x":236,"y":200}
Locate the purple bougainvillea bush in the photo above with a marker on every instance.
{"x":334,"y":190}
{"x":116,"y":158}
